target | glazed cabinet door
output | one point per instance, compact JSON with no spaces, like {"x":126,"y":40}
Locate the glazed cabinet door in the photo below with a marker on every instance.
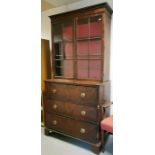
{"x":89,"y":47}
{"x":78,"y":48}
{"x":63,"y":60}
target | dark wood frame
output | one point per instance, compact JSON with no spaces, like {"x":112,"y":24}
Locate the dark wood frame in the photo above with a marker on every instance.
{"x":103,"y":85}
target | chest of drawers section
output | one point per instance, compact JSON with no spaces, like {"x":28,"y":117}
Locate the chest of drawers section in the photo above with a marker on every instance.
{"x":74,"y":110}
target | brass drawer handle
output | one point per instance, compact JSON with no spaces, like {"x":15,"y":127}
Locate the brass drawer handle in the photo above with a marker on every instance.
{"x":55,"y":106}
{"x":55,"y":122}
{"x":54,"y":91}
{"x":83,"y":95}
{"x":83,"y":113}
{"x":82,"y":130}
{"x":98,"y":107}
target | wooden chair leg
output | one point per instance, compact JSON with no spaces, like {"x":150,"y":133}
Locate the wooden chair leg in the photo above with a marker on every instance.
{"x":102,"y":139}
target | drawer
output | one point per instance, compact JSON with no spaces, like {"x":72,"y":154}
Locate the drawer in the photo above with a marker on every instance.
{"x":85,"y":131}
{"x":72,"y":110}
{"x":86,"y":95}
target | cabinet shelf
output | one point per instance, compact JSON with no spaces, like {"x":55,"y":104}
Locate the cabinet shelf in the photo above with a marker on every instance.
{"x":58,"y":59}
{"x":59,"y":55}
{"x":59,"y":66}
{"x":92,"y":54}
{"x":81,"y":39}
{"x":61,"y":41}
{"x":80,"y":58}
{"x":89,"y":59}
{"x":89,"y":38}
{"x":58,"y":76}
{"x":64,"y":59}
{"x":67,"y":40}
{"x":56,"y":42}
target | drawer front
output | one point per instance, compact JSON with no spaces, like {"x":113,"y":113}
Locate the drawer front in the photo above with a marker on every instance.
{"x":77,"y":129}
{"x":72,"y":110}
{"x":85,"y":95}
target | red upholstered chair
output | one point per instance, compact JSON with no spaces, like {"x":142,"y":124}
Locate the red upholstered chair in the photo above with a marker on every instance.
{"x":106,"y":124}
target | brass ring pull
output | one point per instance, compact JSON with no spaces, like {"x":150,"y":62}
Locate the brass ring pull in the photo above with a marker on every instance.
{"x":54,"y":91}
{"x":83,"y":95}
{"x":83,"y":113}
{"x":55,"y":122}
{"x":82,"y":130}
{"x":55,"y":106}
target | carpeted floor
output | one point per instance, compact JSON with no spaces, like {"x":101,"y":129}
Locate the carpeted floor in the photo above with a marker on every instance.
{"x":62,"y":145}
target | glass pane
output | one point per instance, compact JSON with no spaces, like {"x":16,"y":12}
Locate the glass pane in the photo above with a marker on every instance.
{"x":96,"y":26}
{"x":82,"y":28}
{"x":57,"y":51}
{"x":82,"y":49}
{"x":68,"y":50}
{"x":68,"y":68}
{"x":95,"y":48}
{"x":58,"y":68}
{"x":95,"y":69}
{"x":57,"y":32}
{"x":68,"y":31}
{"x":82,"y":69}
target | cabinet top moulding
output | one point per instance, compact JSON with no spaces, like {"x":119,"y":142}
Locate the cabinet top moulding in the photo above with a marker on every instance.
{"x":86,"y":11}
{"x":77,"y":82}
